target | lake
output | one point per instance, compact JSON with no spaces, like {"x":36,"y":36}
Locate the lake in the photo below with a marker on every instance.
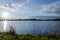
{"x":33,"y":27}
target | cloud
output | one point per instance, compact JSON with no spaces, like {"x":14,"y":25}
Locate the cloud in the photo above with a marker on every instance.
{"x":14,"y":7}
{"x":28,"y":1}
{"x":51,"y":8}
{"x":6,"y":7}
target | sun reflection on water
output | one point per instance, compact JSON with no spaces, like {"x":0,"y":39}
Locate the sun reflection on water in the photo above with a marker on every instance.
{"x":5,"y":15}
{"x":5,"y":25}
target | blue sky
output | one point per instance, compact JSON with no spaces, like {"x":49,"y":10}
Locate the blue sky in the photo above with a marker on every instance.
{"x":24,"y":8}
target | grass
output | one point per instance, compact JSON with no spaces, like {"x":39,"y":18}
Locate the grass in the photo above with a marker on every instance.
{"x":7,"y":36}
{"x":11,"y":35}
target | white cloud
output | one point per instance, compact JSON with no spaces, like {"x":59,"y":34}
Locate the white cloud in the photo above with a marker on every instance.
{"x":28,"y":1}
{"x":6,"y":7}
{"x":51,"y":8}
{"x":14,"y":7}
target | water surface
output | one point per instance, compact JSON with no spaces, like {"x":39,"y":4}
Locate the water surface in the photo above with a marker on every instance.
{"x":33,"y":27}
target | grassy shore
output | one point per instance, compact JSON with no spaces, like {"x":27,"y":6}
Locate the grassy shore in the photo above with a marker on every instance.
{"x":12,"y":35}
{"x":7,"y":36}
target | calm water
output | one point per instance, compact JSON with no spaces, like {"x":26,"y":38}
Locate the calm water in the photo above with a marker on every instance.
{"x":33,"y":27}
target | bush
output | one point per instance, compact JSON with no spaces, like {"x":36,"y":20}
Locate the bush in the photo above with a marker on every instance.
{"x":12,"y":30}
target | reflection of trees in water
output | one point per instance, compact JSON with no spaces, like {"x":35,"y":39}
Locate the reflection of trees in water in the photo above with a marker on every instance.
{"x":58,"y":27}
{"x":12,"y":30}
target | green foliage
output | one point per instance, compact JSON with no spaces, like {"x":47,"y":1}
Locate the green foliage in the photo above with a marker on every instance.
{"x":11,"y":35}
{"x":12,"y":30}
{"x":25,"y":37}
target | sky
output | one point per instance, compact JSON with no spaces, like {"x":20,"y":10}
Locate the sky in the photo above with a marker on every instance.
{"x":24,"y":8}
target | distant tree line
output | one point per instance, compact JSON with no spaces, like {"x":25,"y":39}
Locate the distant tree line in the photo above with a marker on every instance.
{"x":57,"y":19}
